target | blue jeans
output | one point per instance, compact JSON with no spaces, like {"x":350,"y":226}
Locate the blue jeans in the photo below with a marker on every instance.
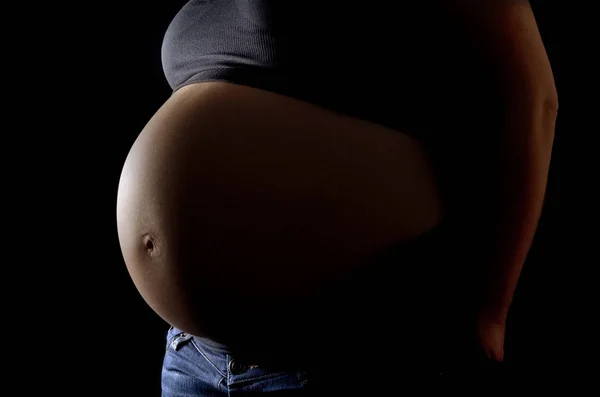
{"x":192,"y":368}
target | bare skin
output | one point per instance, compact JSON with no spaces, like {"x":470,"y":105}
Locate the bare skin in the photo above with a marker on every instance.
{"x":506,"y":32}
{"x":234,"y":191}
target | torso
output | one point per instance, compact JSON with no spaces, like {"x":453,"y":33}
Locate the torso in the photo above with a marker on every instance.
{"x":264,"y":194}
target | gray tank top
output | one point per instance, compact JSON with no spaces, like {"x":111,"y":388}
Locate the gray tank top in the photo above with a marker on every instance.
{"x":392,"y":64}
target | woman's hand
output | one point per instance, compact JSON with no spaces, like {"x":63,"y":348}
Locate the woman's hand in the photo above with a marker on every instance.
{"x":490,"y":328}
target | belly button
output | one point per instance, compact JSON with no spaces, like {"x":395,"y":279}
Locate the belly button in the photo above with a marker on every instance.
{"x":150,"y":244}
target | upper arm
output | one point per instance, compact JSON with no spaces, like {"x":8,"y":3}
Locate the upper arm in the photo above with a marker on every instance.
{"x":506,"y":33}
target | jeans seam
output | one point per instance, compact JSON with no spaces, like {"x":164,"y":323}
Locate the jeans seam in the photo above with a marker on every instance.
{"x":261,"y":377}
{"x":206,"y":357}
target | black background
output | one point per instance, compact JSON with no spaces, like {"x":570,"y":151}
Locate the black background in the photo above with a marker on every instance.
{"x":83,"y":82}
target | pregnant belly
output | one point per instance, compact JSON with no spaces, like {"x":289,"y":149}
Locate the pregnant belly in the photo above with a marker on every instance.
{"x":234,"y":200}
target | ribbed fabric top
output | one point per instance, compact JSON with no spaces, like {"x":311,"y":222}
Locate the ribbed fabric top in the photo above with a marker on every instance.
{"x":394,"y":64}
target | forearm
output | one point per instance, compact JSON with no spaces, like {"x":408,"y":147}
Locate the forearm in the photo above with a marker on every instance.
{"x":506,"y":35}
{"x":522,"y":168}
